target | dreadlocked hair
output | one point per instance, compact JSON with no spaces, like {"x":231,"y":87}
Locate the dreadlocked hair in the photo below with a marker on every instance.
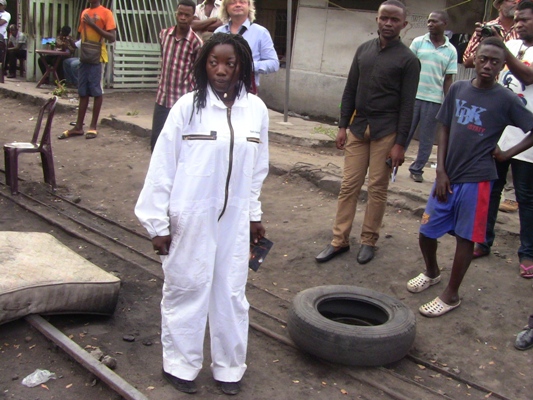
{"x":244,"y":57}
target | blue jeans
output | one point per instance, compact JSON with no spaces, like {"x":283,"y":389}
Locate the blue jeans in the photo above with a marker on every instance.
{"x":424,"y":117}
{"x":522,"y":173}
{"x":70,"y":69}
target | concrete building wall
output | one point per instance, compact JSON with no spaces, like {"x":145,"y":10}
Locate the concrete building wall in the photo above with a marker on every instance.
{"x":325,"y":41}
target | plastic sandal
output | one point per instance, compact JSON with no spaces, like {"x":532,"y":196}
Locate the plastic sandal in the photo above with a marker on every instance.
{"x":91,"y":134}
{"x":526,"y":272}
{"x":480,"y":251}
{"x":421,"y":283}
{"x":66,"y":134}
{"x":436,"y":308}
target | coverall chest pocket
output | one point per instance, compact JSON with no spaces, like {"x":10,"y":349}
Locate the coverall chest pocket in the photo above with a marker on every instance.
{"x":199,"y":153}
{"x":250,"y":149}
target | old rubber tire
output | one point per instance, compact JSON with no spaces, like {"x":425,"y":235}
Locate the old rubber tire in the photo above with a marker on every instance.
{"x":351,"y":325}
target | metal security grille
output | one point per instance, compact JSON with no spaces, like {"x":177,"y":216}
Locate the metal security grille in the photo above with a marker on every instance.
{"x":42,"y":19}
{"x":136,"y":54}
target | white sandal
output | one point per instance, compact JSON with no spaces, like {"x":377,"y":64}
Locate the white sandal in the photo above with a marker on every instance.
{"x":421,"y":283}
{"x":436,"y":308}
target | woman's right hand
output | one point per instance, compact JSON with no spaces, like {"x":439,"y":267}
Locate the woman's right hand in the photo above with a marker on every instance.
{"x":161,"y":244}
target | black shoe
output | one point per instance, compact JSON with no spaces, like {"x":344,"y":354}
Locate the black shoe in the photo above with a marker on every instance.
{"x":230,"y":388}
{"x":524,"y":340}
{"x":417,"y":177}
{"x":329,"y":252}
{"x":181,"y":384}
{"x":366,"y":253}
{"x":12,"y":76}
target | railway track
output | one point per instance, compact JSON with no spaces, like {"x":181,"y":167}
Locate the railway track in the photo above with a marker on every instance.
{"x":409,"y":379}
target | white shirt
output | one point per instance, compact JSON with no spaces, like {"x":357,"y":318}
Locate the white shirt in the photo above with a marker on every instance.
{"x":200,"y":10}
{"x":6,"y":17}
{"x":513,"y":135}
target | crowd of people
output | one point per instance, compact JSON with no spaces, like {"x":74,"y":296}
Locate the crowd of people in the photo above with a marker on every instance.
{"x":483,"y":130}
{"x":200,"y":200}
{"x":391,"y":92}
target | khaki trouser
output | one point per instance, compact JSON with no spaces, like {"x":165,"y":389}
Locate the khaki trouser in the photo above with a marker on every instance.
{"x":360,"y":156}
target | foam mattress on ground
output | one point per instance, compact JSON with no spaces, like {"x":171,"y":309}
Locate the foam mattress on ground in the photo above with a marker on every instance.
{"x":40,"y":275}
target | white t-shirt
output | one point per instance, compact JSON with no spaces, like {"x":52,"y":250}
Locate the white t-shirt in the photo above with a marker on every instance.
{"x":6,"y":17}
{"x":200,"y":10}
{"x":513,"y":135}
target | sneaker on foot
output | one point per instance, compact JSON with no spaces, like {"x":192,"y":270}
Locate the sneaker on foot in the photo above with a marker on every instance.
{"x":509,"y":206}
{"x":417,"y":177}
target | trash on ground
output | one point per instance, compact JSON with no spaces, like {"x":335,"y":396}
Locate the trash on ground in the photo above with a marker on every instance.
{"x":37,"y":377}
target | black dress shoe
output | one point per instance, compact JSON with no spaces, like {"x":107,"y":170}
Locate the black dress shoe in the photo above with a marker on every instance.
{"x":329,"y":252}
{"x":366,"y":253}
{"x":230,"y":388}
{"x":524,"y":340}
{"x":181,"y":384}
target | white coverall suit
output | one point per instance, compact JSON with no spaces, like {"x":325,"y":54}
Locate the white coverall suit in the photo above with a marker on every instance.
{"x":202,"y":188}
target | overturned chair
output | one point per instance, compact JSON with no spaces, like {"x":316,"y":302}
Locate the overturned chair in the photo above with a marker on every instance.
{"x":44,"y":146}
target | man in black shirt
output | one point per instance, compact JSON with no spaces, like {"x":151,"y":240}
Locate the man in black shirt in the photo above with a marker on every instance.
{"x":377,"y":106}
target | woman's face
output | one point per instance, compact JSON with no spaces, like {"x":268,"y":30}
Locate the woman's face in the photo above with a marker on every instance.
{"x":223,"y":68}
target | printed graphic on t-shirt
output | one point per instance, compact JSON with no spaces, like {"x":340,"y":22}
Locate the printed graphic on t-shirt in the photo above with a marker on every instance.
{"x":509,"y":81}
{"x":469,"y":115}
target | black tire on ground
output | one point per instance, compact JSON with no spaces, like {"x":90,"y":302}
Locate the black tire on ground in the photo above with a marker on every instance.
{"x":351,"y":325}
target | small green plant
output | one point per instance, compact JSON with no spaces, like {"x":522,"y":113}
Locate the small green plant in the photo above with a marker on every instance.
{"x":60,"y":89}
{"x":133,"y":113}
{"x":326,"y":130}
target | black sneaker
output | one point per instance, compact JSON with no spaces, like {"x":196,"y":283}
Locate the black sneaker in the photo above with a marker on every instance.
{"x":524,"y":340}
{"x":417,"y":177}
{"x":181,"y":384}
{"x":230,"y":388}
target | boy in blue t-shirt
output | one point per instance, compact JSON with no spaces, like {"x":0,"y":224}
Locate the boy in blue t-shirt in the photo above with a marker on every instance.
{"x":472,"y":119}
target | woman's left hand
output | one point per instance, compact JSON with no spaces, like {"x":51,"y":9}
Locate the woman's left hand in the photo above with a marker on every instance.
{"x":257,"y":231}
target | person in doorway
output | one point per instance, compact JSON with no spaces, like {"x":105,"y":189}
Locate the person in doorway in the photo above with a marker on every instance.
{"x":16,"y":50}
{"x":201,"y":208}
{"x":64,"y":42}
{"x":381,"y":86}
{"x":518,"y":77}
{"x":96,"y":23}
{"x":5,"y":17}
{"x":472,"y":119}
{"x":179,"y":49}
{"x":438,"y":59}
{"x":239,"y":16}
{"x":206,"y":19}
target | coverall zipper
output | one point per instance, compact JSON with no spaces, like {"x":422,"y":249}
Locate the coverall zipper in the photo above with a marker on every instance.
{"x":230,"y":166}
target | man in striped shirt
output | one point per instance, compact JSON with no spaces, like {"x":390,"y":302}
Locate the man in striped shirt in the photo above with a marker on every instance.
{"x":179,"y":48}
{"x":438,"y":59}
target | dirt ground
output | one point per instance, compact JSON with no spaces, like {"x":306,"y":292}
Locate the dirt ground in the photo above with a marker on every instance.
{"x":475,"y":341}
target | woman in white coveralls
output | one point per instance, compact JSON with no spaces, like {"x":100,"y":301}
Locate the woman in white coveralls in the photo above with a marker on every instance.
{"x":200,"y":205}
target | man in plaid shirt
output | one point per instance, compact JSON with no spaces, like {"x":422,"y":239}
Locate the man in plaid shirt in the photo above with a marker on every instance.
{"x":179,"y":48}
